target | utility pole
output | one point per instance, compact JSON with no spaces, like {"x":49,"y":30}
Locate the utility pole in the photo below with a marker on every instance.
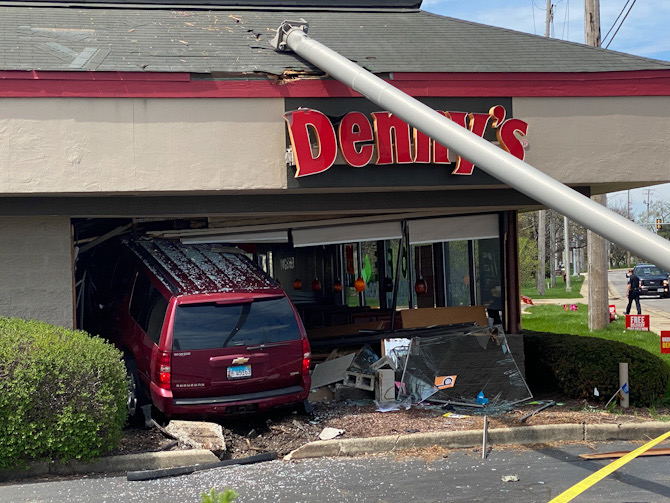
{"x":566,"y":235}
{"x":548,"y":18}
{"x":597,"y":246}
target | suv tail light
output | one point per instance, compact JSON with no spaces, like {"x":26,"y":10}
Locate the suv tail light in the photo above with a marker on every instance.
{"x":164,"y":369}
{"x":306,"y":356}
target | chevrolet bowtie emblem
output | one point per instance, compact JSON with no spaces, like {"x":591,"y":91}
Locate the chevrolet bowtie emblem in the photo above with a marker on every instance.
{"x":240,"y":360}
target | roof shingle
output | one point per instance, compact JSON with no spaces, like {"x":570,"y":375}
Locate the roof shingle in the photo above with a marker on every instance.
{"x":238,"y":41}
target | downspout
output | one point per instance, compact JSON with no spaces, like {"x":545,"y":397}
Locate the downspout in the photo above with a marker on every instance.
{"x":493,"y":160}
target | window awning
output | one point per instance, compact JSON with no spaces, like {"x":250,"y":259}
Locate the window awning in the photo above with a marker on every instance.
{"x":246,"y":237}
{"x":338,"y":234}
{"x":436,"y":230}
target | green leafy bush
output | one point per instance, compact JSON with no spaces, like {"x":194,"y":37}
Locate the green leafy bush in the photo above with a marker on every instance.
{"x":575,"y":365}
{"x":62,"y":393}
{"x":227,"y":496}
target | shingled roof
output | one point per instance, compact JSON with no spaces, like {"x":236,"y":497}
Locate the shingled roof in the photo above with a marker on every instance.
{"x":217,"y":40}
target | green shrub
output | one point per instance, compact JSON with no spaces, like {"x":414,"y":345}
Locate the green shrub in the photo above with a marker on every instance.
{"x":575,"y":365}
{"x":227,"y":496}
{"x":62,"y":393}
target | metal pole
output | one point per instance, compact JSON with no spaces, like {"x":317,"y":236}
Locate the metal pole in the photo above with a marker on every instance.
{"x":492,"y":159}
{"x":624,"y":394}
{"x":396,"y":282}
{"x":485,"y":434}
{"x":566,"y":262}
{"x":552,"y":245}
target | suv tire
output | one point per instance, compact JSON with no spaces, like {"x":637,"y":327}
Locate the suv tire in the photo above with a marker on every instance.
{"x":136,"y":396}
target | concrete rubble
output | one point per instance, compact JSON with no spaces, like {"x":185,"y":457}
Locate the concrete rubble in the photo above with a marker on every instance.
{"x":198,"y":434}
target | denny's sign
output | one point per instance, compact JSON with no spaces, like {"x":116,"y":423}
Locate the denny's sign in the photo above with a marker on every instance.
{"x":389,"y":140}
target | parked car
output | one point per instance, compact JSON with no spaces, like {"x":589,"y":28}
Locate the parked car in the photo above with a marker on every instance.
{"x":653,"y":281}
{"x":204,"y":330}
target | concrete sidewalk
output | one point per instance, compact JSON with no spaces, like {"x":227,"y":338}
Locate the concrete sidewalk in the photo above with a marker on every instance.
{"x":658,"y":320}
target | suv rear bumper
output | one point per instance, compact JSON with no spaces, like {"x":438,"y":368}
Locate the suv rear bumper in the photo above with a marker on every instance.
{"x":223,"y":405}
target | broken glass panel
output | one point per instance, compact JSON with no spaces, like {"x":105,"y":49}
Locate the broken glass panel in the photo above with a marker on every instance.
{"x":456,"y":366}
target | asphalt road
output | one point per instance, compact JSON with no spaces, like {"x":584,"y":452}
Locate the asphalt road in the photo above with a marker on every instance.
{"x":461,"y":476}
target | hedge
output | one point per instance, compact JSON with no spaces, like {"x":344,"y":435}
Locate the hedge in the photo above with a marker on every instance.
{"x":574,"y":365}
{"x":62,"y":394}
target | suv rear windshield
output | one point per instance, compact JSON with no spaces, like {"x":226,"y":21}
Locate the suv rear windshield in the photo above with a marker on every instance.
{"x":209,"y":326}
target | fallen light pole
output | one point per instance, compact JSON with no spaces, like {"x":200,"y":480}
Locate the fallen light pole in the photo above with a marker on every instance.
{"x":517,"y":174}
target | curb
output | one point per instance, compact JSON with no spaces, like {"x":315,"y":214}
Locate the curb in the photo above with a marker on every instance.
{"x":524,"y":435}
{"x":112,"y":464}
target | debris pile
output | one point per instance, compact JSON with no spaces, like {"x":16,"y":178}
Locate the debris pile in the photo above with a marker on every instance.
{"x":450,"y":366}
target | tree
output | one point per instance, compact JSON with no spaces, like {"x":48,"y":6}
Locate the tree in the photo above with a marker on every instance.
{"x":660,"y":209}
{"x":619,"y":256}
{"x":527,"y":260}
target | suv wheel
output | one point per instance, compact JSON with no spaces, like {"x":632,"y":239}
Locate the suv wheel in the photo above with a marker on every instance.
{"x":135,"y":394}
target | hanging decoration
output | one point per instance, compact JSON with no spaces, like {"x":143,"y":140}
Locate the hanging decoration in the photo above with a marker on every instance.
{"x":388,"y":284}
{"x":420,"y":287}
{"x":316,"y":285}
{"x":297,"y":284}
{"x":359,"y":285}
{"x":337,"y":286}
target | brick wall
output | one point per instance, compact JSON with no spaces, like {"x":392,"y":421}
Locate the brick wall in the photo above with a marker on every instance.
{"x":35,"y":269}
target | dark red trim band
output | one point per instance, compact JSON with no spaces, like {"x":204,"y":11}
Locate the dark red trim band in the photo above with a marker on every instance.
{"x":15,"y":84}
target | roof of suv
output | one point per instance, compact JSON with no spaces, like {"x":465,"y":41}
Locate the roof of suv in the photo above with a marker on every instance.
{"x":188,"y":269}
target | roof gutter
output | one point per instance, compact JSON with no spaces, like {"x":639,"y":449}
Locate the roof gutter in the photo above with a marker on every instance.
{"x":292,"y":35}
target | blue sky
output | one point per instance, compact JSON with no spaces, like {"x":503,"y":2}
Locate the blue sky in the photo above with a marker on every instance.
{"x":645,"y":32}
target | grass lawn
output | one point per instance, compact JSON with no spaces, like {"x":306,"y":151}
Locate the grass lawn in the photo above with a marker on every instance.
{"x":552,"y":318}
{"x":558,"y":292}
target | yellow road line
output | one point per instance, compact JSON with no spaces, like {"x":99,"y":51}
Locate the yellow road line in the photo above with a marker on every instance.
{"x":582,"y":486}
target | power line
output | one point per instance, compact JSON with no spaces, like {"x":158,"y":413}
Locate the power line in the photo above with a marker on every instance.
{"x":622,"y":21}
{"x":532,"y":10}
{"x":615,"y":21}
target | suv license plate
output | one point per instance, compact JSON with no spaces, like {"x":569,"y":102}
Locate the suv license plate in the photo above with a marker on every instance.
{"x":239,"y":371}
{"x":660,"y":290}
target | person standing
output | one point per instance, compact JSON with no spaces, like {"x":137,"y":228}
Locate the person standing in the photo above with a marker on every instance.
{"x":633,"y":291}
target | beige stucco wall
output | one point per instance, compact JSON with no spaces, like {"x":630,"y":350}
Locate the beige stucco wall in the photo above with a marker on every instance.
{"x":74,"y":145}
{"x":595,"y":140}
{"x":35,"y":270}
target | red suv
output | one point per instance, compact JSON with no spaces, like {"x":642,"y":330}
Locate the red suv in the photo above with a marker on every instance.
{"x":205,"y":331}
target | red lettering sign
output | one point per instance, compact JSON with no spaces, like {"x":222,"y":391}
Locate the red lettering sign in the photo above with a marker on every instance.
{"x":307,"y":128}
{"x":354,"y":129}
{"x":392,"y":138}
{"x":637,"y":322}
{"x":665,"y":341}
{"x":315,"y":144}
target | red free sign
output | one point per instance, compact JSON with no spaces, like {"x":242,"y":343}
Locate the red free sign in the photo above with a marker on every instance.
{"x":637,"y":322}
{"x":665,"y":341}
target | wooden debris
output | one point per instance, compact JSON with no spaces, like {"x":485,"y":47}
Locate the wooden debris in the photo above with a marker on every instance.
{"x":619,"y":454}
